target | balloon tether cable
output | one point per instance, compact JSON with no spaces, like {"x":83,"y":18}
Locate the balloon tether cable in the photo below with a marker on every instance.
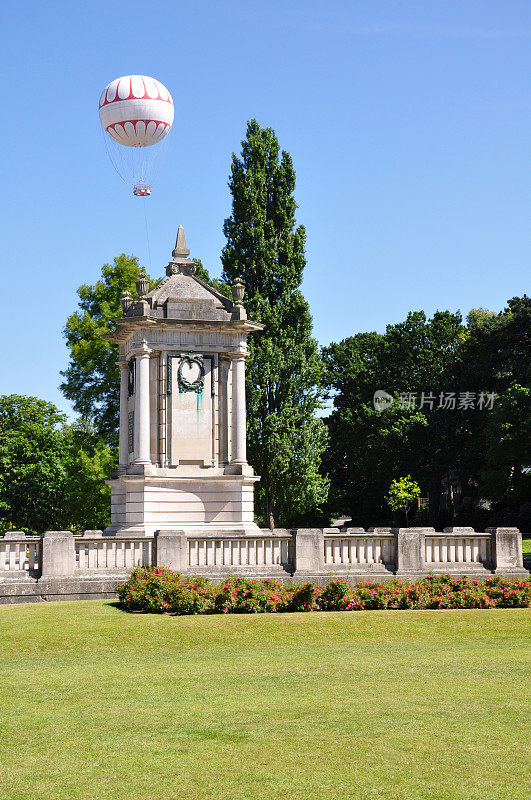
{"x":147,"y":234}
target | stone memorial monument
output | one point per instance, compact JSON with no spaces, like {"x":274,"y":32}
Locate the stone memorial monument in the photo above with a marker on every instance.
{"x":182,"y":461}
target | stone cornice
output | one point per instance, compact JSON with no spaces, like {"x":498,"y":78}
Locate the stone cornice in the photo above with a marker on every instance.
{"x":126,"y":326}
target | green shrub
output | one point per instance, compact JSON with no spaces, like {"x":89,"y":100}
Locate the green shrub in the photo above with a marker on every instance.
{"x":449,"y":591}
{"x":304,"y":598}
{"x":335,"y":596}
{"x":158,"y":591}
{"x":245,"y":596}
{"x":509,"y":594}
{"x":194,"y":595}
{"x":145,"y":589}
{"x":371,"y":596}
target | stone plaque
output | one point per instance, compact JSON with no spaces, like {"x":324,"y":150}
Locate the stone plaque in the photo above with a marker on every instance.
{"x":190,"y":409}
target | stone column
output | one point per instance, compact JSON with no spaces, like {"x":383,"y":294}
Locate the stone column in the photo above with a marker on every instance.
{"x":142,"y":405}
{"x":123,"y":456}
{"x":239,"y":455}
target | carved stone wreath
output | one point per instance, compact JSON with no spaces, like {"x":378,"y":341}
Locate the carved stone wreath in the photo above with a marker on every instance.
{"x":191,"y":386}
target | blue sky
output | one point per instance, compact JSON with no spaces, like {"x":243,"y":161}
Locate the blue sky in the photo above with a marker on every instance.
{"x":408,"y":124}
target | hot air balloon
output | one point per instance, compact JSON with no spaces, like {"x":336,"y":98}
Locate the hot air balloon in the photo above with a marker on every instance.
{"x":137,"y":113}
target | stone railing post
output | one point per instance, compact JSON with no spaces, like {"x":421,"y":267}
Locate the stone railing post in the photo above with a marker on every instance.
{"x":58,"y":554}
{"x":309,"y":551}
{"x":506,"y":551}
{"x":170,"y":550}
{"x":410,"y":550}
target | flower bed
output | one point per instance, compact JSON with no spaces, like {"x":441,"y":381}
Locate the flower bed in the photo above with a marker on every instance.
{"x":159,"y":591}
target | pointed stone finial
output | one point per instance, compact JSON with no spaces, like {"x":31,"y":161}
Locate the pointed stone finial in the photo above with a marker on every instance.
{"x":180,"y":264}
{"x":180,"y":250}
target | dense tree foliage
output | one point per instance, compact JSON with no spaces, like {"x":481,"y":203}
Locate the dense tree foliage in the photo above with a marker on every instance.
{"x":459,"y":423}
{"x":265,"y":248}
{"x":87,"y":500}
{"x":52,"y":475}
{"x":33,"y":463}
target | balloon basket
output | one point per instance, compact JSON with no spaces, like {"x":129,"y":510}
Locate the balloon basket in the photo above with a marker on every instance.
{"x":142,"y":190}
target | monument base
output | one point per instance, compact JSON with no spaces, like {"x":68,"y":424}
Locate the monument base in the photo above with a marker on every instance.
{"x":144,"y":503}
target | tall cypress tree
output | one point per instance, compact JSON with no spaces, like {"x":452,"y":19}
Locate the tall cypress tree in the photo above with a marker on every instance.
{"x":284,"y":374}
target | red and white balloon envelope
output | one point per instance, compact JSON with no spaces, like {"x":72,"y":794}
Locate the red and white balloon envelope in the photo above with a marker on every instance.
{"x":136,"y":112}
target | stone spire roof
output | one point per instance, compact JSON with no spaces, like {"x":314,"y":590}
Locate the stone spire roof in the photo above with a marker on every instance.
{"x":182,"y":296}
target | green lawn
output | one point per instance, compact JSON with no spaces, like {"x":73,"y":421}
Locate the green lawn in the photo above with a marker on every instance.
{"x":401,"y":705}
{"x":526,"y":546}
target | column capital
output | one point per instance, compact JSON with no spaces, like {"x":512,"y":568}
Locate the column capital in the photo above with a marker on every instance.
{"x":141,"y":350}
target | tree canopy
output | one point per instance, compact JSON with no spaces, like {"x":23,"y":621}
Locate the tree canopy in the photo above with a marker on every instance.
{"x":458,"y":424}
{"x":265,"y":247}
{"x":52,"y":475}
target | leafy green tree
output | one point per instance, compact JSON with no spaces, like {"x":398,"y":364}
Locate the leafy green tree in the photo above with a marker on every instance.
{"x":402,"y":494}
{"x":87,"y":498}
{"x":34,"y":457}
{"x":52,"y":475}
{"x":497,"y":350}
{"x":417,"y":355}
{"x":505,"y":474}
{"x":484,"y":450}
{"x":91,"y":380}
{"x":368,"y":446}
{"x":265,"y":248}
{"x":496,"y":359}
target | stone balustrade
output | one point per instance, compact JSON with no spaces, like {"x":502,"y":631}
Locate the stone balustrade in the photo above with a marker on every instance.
{"x":60,"y":565}
{"x":359,"y":551}
{"x":20,"y":553}
{"x":254,"y":552}
{"x":112,"y":553}
{"x":450,"y":552}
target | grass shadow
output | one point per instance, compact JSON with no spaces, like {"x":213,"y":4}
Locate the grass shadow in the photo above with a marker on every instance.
{"x":116,"y":604}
